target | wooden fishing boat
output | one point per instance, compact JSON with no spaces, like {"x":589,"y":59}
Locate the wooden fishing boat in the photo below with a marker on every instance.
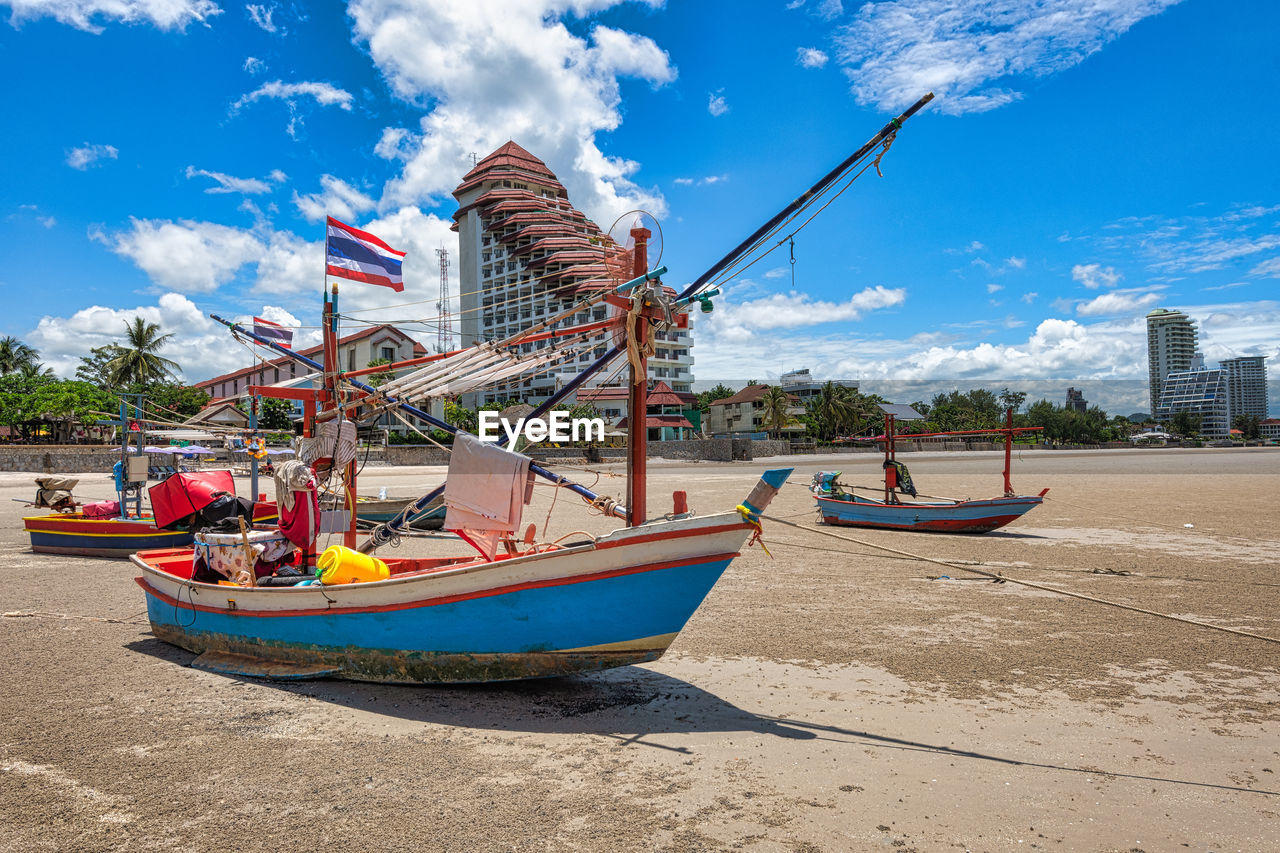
{"x":73,"y":534}
{"x":130,"y":527}
{"x":530,"y":609}
{"x":617,"y":600}
{"x":838,"y":504}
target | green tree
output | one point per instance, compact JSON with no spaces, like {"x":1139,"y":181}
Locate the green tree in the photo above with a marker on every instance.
{"x":1250,"y":426}
{"x":169,"y":400}
{"x":1185,"y":424}
{"x":32,"y":369}
{"x":94,"y":366}
{"x":774,"y":414}
{"x":376,"y":379}
{"x":706,"y":398}
{"x":275,"y":415}
{"x":139,"y":359}
{"x":1012,"y":399}
{"x":14,"y":355}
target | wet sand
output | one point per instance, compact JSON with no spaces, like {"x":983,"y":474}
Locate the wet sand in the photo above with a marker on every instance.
{"x":832,"y":698}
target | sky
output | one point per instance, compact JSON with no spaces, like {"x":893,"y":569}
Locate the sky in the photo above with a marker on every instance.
{"x":1083,"y":162}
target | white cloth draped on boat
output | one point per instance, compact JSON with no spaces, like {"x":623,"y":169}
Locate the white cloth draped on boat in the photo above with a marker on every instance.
{"x":485,"y":494}
{"x":334,"y":440}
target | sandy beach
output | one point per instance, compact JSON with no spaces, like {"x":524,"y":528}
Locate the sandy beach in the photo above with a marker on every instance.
{"x":832,"y":698}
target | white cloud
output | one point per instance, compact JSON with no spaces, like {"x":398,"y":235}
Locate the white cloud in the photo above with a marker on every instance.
{"x":463,"y":58}
{"x":1094,"y":276}
{"x":230,"y":184}
{"x":1117,"y":303}
{"x":186,"y":256}
{"x":810,"y":57}
{"x":261,"y":15}
{"x":716,"y":104}
{"x":993,"y":288}
{"x":969,"y":52}
{"x":337,"y":199}
{"x":324,"y":94}
{"x":88,"y":154}
{"x":776,"y":272}
{"x":254,"y":65}
{"x":81,"y":14}
{"x":278,"y":176}
{"x":1029,"y":297}
{"x":1182,"y":245}
{"x":202,"y":347}
{"x":1267,"y":269}
{"x":740,"y":321}
{"x":1016,"y":263}
{"x":684,"y":181}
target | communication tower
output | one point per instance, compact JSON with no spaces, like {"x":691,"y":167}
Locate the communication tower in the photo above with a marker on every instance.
{"x":444,"y":333}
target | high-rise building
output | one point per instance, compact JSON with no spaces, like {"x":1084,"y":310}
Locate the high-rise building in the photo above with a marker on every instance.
{"x":1247,"y":385}
{"x":1202,"y":393}
{"x":1076,"y":401}
{"x":1171,"y":344}
{"x":525,"y":254}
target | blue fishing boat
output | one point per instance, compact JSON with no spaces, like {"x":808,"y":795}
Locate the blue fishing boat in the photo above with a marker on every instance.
{"x":525,"y":607}
{"x":839,"y":504}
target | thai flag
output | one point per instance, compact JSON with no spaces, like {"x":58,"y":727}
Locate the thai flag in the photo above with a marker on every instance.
{"x":360,"y":256}
{"x":273,"y":332}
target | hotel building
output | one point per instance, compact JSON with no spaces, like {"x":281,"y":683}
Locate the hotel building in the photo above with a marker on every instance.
{"x":1171,"y":345}
{"x":525,"y":254}
{"x":1247,"y":385}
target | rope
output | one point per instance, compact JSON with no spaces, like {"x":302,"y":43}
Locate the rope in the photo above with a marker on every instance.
{"x":39,"y":614}
{"x":1003,"y":579}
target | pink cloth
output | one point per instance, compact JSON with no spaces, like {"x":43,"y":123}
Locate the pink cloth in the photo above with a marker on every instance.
{"x":301,"y":523}
{"x":101,"y":509}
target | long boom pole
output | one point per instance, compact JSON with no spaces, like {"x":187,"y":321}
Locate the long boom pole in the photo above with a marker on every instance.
{"x":413,"y":410}
{"x":886,"y":131}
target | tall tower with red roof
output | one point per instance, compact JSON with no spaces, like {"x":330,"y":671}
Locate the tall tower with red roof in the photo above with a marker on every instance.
{"x":525,"y":253}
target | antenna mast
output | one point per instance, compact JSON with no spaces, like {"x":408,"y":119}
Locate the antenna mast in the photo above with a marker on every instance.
{"x":444,"y":333}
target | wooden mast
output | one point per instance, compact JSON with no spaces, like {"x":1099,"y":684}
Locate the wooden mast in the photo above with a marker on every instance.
{"x":1008,"y":451}
{"x":638,"y":393}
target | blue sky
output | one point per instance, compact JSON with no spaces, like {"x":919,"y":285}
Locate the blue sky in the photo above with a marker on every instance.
{"x":1084,"y":162}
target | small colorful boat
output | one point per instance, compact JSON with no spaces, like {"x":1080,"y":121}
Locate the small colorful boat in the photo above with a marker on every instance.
{"x":594,"y":604}
{"x":837,"y":503}
{"x":118,"y":528}
{"x":74,"y":534}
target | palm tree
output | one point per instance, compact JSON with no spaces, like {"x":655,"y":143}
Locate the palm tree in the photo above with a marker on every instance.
{"x":774,"y":414}
{"x":139,"y":362}
{"x":14,"y":355}
{"x":35,"y":370}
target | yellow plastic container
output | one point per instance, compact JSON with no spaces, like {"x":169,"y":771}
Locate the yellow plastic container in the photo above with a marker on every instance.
{"x":339,"y":564}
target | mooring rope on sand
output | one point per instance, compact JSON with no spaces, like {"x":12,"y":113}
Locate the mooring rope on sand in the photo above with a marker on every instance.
{"x":1006,"y":579}
{"x":40,"y":614}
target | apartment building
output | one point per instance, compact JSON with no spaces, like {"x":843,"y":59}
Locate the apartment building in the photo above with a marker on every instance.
{"x":1171,"y":345}
{"x":1247,"y":385}
{"x":526,"y":254}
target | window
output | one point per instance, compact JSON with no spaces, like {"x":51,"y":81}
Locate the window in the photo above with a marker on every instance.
{"x":389,"y":353}
{"x":351,"y":359}
{"x":277,"y":379}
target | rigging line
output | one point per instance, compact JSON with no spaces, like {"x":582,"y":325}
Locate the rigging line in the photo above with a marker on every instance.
{"x":729,"y":272}
{"x":521,"y":283}
{"x":1002,"y":578}
{"x":736,"y":269}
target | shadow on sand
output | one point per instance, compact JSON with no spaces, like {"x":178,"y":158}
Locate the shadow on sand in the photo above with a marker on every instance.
{"x":628,"y":704}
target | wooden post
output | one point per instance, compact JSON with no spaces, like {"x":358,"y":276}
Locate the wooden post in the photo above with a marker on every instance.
{"x":1008,"y":451}
{"x":638,"y":396}
{"x":889,"y":455}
